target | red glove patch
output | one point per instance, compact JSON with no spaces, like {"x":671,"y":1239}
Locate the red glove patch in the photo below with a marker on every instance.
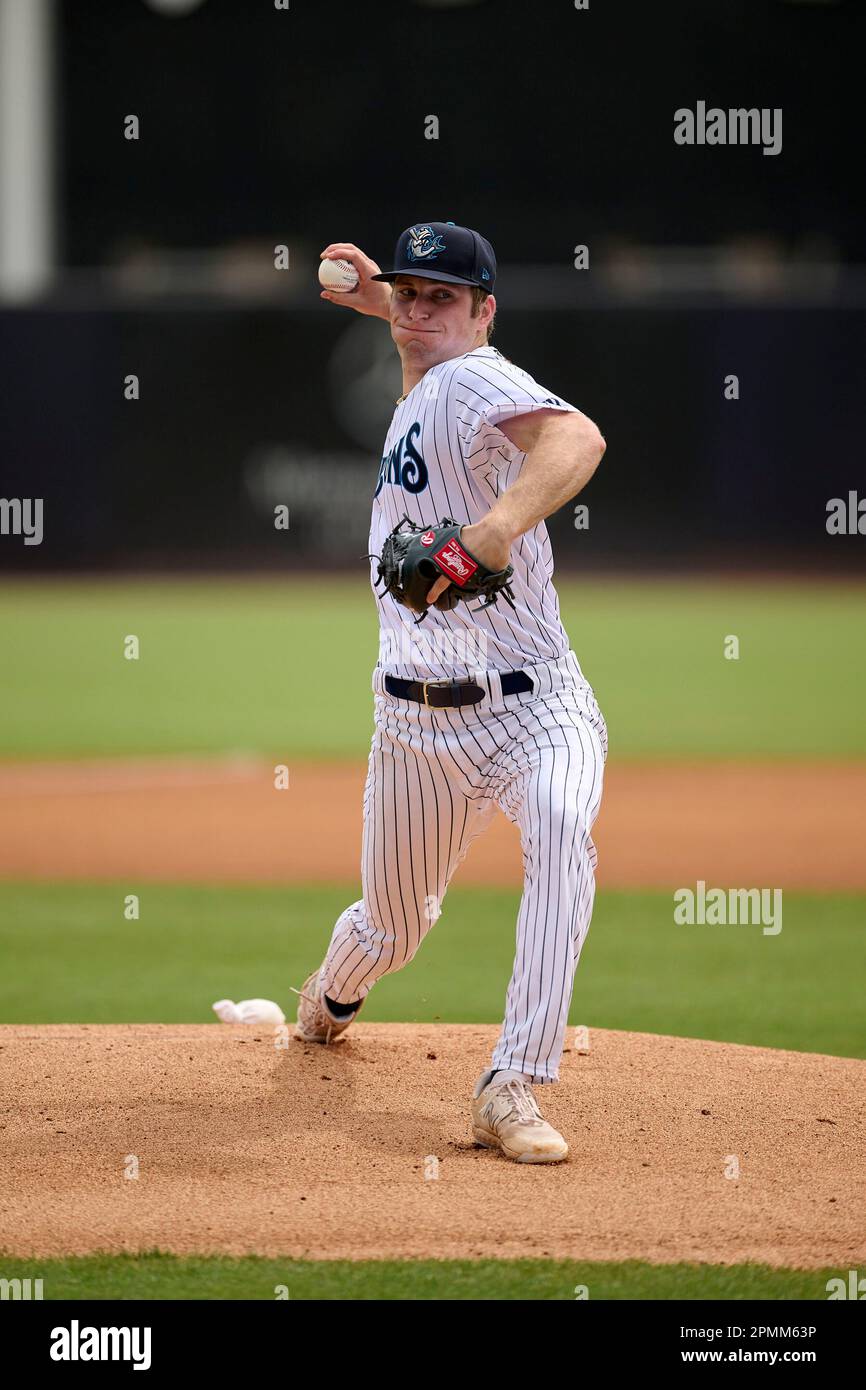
{"x":459,"y":566}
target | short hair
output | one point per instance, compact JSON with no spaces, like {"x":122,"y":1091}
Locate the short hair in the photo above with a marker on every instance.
{"x":479,"y":294}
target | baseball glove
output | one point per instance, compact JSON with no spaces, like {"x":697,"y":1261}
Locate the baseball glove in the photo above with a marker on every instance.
{"x":413,"y":559}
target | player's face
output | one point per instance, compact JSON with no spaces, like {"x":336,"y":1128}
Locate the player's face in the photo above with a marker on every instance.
{"x":431,"y":321}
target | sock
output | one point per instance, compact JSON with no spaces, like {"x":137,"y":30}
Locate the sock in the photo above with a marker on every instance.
{"x":341,"y":1010}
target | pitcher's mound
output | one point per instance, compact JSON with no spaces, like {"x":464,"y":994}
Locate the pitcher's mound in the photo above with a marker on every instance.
{"x":215,"y":1139}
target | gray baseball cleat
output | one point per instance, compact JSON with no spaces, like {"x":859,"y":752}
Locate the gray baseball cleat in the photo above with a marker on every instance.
{"x":505,"y":1116}
{"x":315,"y":1021}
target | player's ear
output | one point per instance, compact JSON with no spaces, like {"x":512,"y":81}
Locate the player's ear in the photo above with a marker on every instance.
{"x":487,"y":312}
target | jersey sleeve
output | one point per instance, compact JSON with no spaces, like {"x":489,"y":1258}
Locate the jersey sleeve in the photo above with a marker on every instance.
{"x":488,"y":392}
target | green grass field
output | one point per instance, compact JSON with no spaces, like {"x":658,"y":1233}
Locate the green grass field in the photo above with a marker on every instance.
{"x":224,"y":669}
{"x":224,"y":665}
{"x":67,"y":955}
{"x":166,"y":1276}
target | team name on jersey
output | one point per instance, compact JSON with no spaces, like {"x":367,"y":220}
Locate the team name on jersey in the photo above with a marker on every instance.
{"x":403,"y":466}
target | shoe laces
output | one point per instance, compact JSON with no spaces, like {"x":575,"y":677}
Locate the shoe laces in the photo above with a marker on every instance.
{"x":320,"y":1014}
{"x":522,"y":1101}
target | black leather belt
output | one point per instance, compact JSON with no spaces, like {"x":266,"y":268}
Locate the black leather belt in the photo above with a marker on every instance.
{"x":452,"y":694}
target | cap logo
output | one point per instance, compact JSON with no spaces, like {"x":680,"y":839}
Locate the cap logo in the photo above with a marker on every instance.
{"x":424,"y":244}
{"x":485,"y":275}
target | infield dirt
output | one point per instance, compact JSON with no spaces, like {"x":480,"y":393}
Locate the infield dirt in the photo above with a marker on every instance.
{"x":246,"y":1142}
{"x":222,"y":821}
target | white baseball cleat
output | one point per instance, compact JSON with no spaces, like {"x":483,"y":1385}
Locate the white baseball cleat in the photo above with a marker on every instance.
{"x":315,"y":1021}
{"x":505,"y":1116}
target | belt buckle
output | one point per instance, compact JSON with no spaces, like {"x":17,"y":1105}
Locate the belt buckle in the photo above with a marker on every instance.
{"x":425,"y":684}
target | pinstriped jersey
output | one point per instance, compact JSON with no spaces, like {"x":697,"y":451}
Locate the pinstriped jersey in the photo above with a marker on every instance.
{"x":445,"y":456}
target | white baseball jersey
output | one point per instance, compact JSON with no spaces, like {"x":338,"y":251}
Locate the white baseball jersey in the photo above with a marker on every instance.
{"x":436,"y":776}
{"x":445,"y":456}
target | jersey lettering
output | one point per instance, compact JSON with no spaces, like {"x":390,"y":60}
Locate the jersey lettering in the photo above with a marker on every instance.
{"x":404,"y":466}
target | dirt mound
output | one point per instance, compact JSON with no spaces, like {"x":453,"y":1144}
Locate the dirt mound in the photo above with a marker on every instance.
{"x":661,"y":825}
{"x":241,"y":1146}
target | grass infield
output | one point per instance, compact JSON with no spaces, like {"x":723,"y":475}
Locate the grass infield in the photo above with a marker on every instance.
{"x":162,"y":1276}
{"x":68,"y":955}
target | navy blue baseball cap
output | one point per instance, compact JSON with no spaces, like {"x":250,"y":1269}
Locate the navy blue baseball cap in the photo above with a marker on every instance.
{"x":443,"y":251}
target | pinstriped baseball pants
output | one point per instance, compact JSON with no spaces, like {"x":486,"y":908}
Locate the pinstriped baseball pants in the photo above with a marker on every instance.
{"x":435,"y":778}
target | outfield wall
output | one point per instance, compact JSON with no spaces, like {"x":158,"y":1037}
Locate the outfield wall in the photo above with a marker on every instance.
{"x":241,"y":410}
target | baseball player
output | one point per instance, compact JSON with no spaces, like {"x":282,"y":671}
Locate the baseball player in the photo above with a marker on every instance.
{"x":476,"y":706}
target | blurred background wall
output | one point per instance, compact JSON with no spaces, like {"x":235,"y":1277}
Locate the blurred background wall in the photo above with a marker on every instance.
{"x":261,"y":127}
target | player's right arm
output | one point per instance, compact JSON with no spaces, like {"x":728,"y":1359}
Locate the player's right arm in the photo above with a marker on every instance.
{"x":369,"y":296}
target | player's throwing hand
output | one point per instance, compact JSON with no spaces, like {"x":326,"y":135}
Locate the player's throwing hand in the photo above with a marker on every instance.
{"x":369,"y":296}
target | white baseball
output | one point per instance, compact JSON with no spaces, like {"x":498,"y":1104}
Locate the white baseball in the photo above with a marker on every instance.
{"x":338,"y":276}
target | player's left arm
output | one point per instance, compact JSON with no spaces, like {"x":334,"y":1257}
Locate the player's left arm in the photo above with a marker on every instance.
{"x":563,"y":449}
